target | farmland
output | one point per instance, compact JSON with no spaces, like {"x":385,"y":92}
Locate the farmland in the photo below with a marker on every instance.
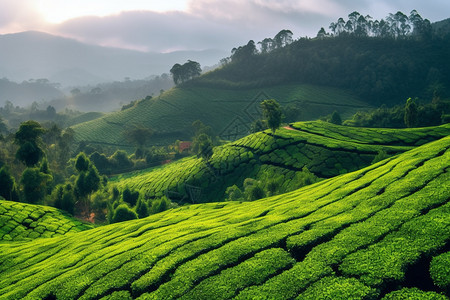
{"x":20,"y":221}
{"x":229,"y":112}
{"x":379,"y":232}
{"x":324,"y":149}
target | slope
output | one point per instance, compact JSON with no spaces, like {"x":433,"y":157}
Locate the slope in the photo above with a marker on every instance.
{"x":325,"y":149}
{"x":229,"y":112}
{"x":20,"y":221}
{"x":361,"y":235}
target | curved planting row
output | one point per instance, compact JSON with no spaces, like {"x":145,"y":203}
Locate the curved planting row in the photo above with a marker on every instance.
{"x":175,"y":110}
{"x":375,"y":136}
{"x":19,"y":221}
{"x":381,"y":232}
{"x":265,"y":155}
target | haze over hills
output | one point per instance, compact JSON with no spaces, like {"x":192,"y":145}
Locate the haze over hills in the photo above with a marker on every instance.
{"x":66,"y":61}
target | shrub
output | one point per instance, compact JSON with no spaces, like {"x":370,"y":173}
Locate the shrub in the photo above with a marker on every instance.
{"x":123,"y":213}
{"x":130,"y":197}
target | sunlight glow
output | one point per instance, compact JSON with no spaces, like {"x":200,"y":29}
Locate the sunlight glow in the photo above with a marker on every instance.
{"x":57,"y":11}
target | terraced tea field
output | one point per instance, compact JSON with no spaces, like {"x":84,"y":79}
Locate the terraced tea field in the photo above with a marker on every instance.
{"x":20,"y":221}
{"x":325,"y":149}
{"x":228,"y":112}
{"x":382,"y":232}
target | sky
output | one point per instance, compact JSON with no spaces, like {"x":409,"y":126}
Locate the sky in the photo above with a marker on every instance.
{"x":170,"y":25}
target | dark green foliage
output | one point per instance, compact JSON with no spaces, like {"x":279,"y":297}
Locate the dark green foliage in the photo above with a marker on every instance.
{"x":381,"y":155}
{"x":82,"y":162}
{"x":6,"y":184}
{"x":123,"y":213}
{"x":29,"y":131}
{"x":160,"y":205}
{"x":101,"y":162}
{"x":28,"y":139}
{"x":411,"y":113}
{"x":131,"y":197}
{"x":203,"y":146}
{"x":29,"y":153}
{"x":121,"y":161}
{"x":63,"y":198}
{"x":336,"y":118}
{"x":233,"y":193}
{"x":34,"y":184}
{"x":272,"y":113}
{"x":185,"y":72}
{"x":142,"y":209}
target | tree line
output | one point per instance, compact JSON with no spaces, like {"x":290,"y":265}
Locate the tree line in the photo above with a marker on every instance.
{"x":398,"y":25}
{"x":378,"y":68}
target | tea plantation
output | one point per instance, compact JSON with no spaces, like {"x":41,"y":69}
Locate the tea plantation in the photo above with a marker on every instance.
{"x":20,"y":221}
{"x":382,"y":232}
{"x":171,"y":114}
{"x":325,"y":149}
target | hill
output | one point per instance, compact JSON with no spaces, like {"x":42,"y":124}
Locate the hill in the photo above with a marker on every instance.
{"x":229,"y":112}
{"x":378,"y":232}
{"x":32,"y":54}
{"x":20,"y":221}
{"x":379,"y":70}
{"x":284,"y":160}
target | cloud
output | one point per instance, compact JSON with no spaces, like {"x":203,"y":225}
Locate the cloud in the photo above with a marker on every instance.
{"x":210,"y":24}
{"x":19,"y":15}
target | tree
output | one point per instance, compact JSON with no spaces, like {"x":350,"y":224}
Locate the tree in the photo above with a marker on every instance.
{"x":131,"y":197}
{"x":336,"y":118}
{"x":272,"y":114}
{"x":185,"y":72}
{"x":204,"y":146}
{"x":142,"y":209}
{"x":123,"y":213}
{"x":63,"y":198}
{"x":139,"y":135}
{"x":411,"y":113}
{"x":34,"y":184}
{"x":6,"y":184}
{"x":28,"y":139}
{"x":82,"y":162}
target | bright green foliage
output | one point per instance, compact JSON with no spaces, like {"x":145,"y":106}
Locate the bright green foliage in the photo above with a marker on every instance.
{"x":440,"y":271}
{"x":355,"y":235}
{"x":286,"y":161}
{"x":338,"y":288}
{"x":20,"y":221}
{"x":414,"y":294}
{"x":123,"y":213}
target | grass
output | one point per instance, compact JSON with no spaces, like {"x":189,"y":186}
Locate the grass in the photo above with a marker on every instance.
{"x":171,"y":114}
{"x":20,"y":221}
{"x":353,"y":236}
{"x":325,"y":149}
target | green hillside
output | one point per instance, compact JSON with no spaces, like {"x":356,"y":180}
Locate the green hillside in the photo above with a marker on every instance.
{"x":325,"y":149}
{"x":229,"y":112}
{"x":21,"y":221}
{"x":382,"y":231}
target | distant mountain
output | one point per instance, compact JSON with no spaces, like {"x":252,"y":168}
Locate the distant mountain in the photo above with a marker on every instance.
{"x":35,"y":55}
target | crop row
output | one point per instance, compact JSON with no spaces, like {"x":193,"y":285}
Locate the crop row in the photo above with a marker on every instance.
{"x":20,"y":221}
